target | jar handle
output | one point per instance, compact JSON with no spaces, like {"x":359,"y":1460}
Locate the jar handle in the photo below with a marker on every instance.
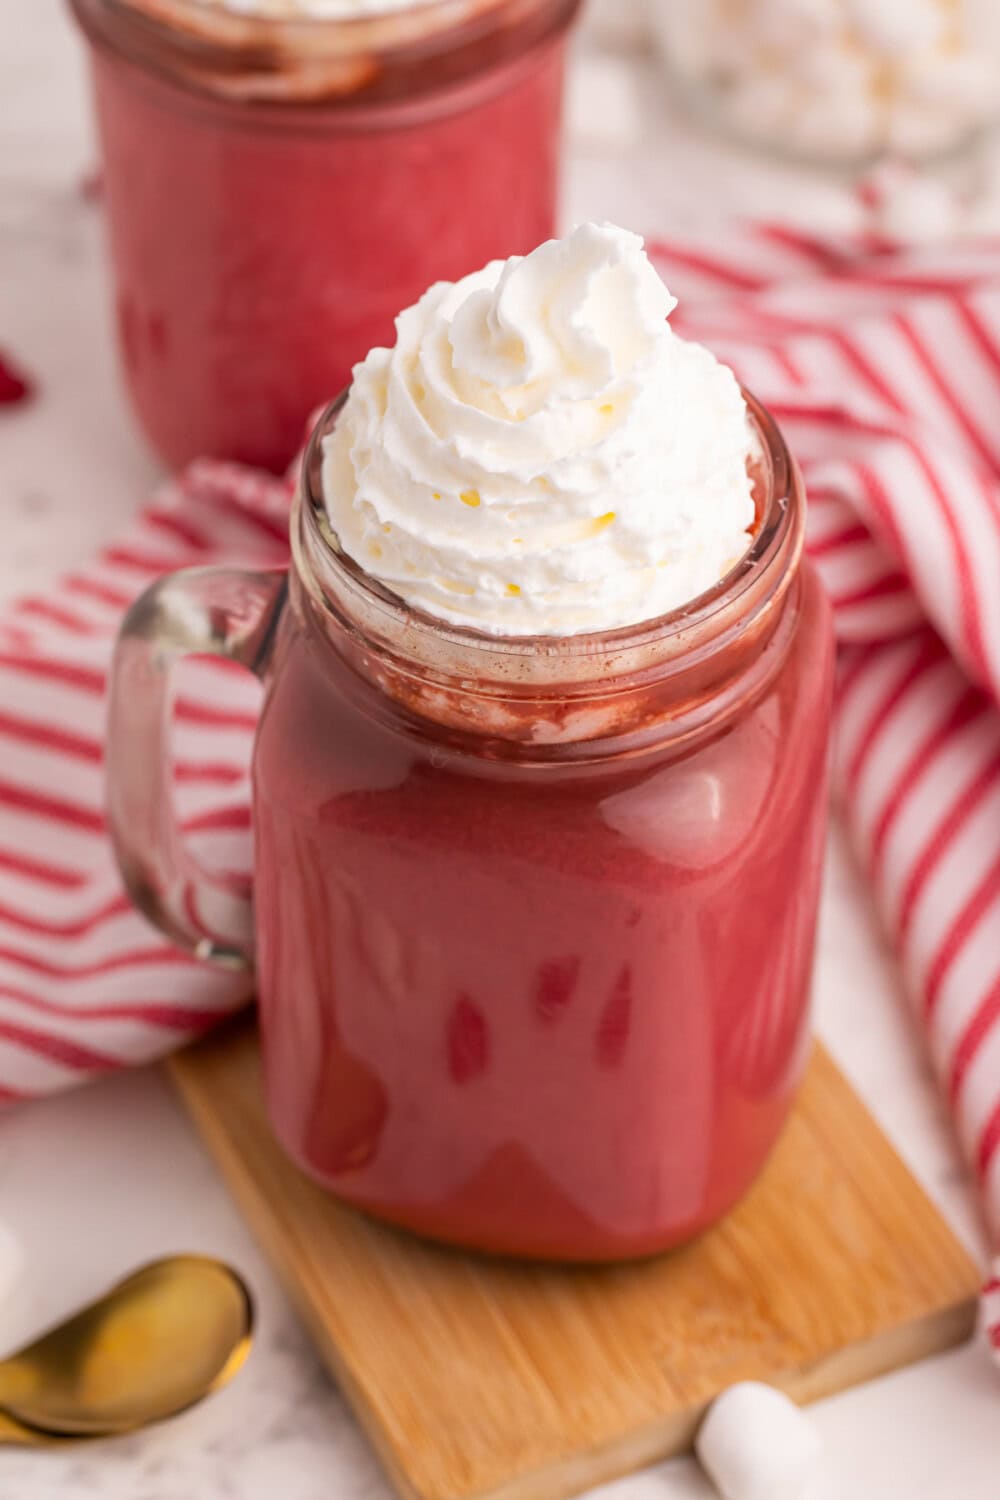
{"x":197,"y":612}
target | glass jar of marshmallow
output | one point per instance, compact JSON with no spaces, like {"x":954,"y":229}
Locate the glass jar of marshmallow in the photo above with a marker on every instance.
{"x":845,"y":81}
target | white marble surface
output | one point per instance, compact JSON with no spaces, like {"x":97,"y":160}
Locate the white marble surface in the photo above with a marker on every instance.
{"x":98,"y":1180}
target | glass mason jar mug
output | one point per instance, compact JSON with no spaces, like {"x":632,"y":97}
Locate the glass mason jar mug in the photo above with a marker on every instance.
{"x":533,"y":919}
{"x":277,"y":189}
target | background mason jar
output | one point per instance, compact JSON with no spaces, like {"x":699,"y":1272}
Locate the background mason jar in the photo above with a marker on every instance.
{"x":277,"y":190}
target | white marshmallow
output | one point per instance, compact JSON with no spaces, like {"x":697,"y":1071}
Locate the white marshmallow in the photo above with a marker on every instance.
{"x":755,"y":1444}
{"x":835,"y":68}
{"x":762,"y":105}
{"x":911,"y":77}
{"x":915,"y":132}
{"x":792,"y":23}
{"x":895,"y":26}
{"x":838,"y":115}
{"x":969,"y":80}
{"x":835,"y":126}
{"x":11,"y":1262}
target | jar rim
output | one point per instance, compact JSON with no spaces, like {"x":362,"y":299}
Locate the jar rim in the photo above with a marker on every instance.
{"x":537,"y":699}
{"x":776,"y":545}
{"x":219,"y":19}
{"x":301,"y":62}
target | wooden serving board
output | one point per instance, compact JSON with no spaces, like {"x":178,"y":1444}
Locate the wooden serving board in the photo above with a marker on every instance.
{"x":483,"y":1380}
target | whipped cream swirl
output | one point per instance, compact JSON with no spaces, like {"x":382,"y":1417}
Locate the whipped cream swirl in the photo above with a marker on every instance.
{"x":540,"y":454}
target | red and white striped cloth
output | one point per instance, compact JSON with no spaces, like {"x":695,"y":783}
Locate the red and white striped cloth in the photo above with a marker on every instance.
{"x":86,"y":985}
{"x":883,"y":366}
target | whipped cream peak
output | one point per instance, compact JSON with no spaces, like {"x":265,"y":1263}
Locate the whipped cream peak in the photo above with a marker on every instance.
{"x":564,"y":322}
{"x":540,"y":453}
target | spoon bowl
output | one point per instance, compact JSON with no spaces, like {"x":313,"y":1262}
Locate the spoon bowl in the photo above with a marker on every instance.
{"x":155,"y":1344}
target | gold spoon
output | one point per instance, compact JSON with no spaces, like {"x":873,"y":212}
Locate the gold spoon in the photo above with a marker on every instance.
{"x":153,"y":1345}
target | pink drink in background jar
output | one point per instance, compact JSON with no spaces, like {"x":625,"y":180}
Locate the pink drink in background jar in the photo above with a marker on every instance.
{"x":277,"y":189}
